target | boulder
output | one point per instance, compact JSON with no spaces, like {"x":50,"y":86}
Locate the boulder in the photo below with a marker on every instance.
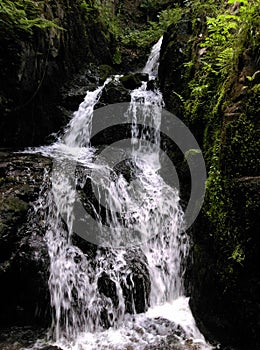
{"x":131,"y":81}
{"x":142,"y":76}
{"x":115,"y":92}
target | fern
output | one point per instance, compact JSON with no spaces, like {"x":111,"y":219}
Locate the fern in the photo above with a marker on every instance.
{"x":23,"y":15}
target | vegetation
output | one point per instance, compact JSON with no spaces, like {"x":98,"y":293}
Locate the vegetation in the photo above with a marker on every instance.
{"x":22,"y":16}
{"x":221,"y":98}
{"x":145,"y":38}
{"x":163,"y":13}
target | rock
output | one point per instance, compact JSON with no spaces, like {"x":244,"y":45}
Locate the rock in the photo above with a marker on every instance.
{"x":115,"y":92}
{"x":15,"y":338}
{"x":131,"y":81}
{"x":137,"y":287}
{"x":151,"y":85}
{"x":33,"y":68}
{"x":224,"y":284}
{"x":174,"y":53}
{"x":23,"y":253}
{"x":105,"y":71}
{"x":142,"y":76}
{"x":75,"y":89}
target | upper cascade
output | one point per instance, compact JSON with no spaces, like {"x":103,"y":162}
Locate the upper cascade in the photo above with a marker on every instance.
{"x":152,"y":63}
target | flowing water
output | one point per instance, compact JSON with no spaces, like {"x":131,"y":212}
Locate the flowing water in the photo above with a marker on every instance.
{"x":144,"y":249}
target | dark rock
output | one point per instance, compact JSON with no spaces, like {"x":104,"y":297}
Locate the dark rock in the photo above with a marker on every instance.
{"x":115,"y":92}
{"x":131,"y":81}
{"x":33,"y":69}
{"x":138,"y":285}
{"x":142,"y":76}
{"x":175,"y":51}
{"x":24,"y":259}
{"x":15,"y":338}
{"x":225,"y":295}
{"x":75,"y":89}
{"x":105,"y":71}
{"x":107,"y":287}
{"x":151,"y":85}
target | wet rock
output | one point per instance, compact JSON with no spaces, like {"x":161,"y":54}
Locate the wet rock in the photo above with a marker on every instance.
{"x":224,"y":283}
{"x":108,"y":288}
{"x":15,"y":338}
{"x":74,"y":91}
{"x":134,"y":281}
{"x":105,"y":71}
{"x":230,"y":303}
{"x":174,"y":53}
{"x":131,"y":81}
{"x":24,"y":259}
{"x":115,"y":92}
{"x":152,"y":85}
{"x":142,"y":76}
{"x":137,"y":287}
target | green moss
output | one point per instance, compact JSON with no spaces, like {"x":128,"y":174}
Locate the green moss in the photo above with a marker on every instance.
{"x":105,"y":71}
{"x":14,"y":204}
{"x":240,"y":148}
{"x":131,"y":81}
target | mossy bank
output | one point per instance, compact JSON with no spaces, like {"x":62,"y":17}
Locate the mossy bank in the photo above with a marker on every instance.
{"x":209,"y":74}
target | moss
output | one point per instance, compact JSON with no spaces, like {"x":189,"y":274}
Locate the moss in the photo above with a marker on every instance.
{"x":105,"y":71}
{"x":130,"y":81}
{"x":219,"y":83}
{"x":14,"y":204}
{"x":240,"y":148}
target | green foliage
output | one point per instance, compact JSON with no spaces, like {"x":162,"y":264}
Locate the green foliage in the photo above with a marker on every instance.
{"x":145,"y":38}
{"x":201,"y":9}
{"x":238,"y":254}
{"x":219,"y":49}
{"x":125,"y":36}
{"x":219,"y":54}
{"x":231,"y":138}
{"x":23,"y":16}
{"x":151,"y":5}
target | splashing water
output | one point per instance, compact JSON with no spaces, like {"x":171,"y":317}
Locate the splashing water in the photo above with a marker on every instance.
{"x":81,"y":309}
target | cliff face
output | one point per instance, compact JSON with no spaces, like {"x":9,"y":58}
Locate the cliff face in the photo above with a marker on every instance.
{"x":34,"y":65}
{"x":221,"y":109}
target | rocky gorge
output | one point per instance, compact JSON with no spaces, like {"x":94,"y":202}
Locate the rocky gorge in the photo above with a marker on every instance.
{"x":44,"y":77}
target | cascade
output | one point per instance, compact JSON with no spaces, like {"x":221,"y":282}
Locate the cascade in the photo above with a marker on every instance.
{"x":84,"y":315}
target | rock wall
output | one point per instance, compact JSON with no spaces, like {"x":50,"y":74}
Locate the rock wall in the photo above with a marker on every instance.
{"x":223,"y":114}
{"x":33,"y":67}
{"x":24,"y":259}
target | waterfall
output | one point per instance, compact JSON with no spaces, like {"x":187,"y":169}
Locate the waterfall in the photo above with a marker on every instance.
{"x":84,"y":316}
{"x":152,"y":63}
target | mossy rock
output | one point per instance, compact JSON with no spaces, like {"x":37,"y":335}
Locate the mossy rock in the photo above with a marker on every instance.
{"x":131,"y":81}
{"x":105,"y":71}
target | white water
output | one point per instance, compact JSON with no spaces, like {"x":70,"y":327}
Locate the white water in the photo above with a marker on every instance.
{"x":149,"y":206}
